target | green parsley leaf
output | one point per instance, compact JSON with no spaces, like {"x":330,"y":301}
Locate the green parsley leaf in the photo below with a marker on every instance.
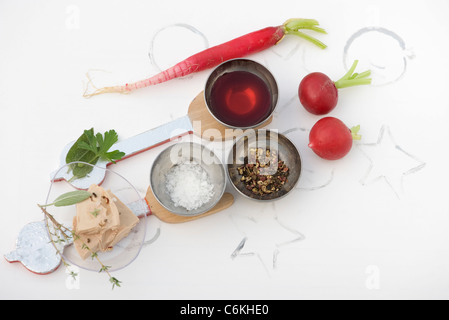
{"x":110,"y":138}
{"x":91,"y":147}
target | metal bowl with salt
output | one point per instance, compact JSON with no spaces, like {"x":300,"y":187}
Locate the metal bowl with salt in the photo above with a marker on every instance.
{"x":187,"y":179}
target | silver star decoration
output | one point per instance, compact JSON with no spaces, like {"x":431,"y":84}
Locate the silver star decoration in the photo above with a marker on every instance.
{"x":264,"y":235}
{"x":389,"y":162}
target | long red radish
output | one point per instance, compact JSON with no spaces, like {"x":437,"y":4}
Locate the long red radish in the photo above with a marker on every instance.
{"x":239,"y":47}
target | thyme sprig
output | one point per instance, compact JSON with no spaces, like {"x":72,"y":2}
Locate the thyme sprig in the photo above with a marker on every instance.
{"x":67,"y":234}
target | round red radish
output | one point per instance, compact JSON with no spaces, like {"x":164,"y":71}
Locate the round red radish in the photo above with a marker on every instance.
{"x":331,"y":139}
{"x":318,"y":93}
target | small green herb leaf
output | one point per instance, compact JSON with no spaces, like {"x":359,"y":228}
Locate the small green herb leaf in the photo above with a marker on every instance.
{"x":110,"y":138}
{"x":91,"y":147}
{"x":70,"y":198}
{"x":88,"y":147}
{"x":95,"y":213}
{"x":114,"y":155}
{"x":115,"y":282}
{"x":104,"y":268}
{"x":79,"y":154}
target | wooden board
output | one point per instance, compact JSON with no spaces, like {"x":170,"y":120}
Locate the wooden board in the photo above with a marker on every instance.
{"x":209,"y":127}
{"x":164,"y":215}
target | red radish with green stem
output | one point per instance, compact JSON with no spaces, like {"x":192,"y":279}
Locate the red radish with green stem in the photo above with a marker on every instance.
{"x":248,"y":44}
{"x":331,"y":139}
{"x":319,"y":94}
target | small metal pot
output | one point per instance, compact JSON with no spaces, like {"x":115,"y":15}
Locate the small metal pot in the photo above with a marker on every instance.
{"x":242,"y":65}
{"x":187,"y":151}
{"x":286,"y":150}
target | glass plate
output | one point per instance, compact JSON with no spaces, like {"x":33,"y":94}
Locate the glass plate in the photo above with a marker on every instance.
{"x":124,"y":252}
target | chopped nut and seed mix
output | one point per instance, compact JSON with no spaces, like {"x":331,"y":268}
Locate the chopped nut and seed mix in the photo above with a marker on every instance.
{"x":263,"y":172}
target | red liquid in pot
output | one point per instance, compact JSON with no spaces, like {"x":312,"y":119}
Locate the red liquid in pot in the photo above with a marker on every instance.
{"x":240,"y":99}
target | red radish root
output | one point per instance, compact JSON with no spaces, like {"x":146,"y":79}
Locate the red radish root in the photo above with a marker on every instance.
{"x":319,"y":94}
{"x":239,"y":47}
{"x":330,"y":139}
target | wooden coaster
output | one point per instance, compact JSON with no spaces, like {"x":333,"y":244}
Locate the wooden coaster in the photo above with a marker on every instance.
{"x":164,"y":215}
{"x":211,"y":128}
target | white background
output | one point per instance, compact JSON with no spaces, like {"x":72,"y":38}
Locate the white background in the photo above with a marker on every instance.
{"x":375,"y":223}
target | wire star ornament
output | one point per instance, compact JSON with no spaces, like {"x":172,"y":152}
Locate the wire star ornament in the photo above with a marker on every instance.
{"x":389,"y":162}
{"x":264,"y":235}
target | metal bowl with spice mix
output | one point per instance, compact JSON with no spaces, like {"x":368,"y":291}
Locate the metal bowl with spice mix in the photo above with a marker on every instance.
{"x":264,"y":165}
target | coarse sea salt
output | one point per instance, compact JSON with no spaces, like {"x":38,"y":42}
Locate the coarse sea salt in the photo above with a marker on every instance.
{"x":188,"y":185}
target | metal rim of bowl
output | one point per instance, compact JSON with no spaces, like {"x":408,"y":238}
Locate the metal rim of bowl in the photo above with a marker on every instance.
{"x":230,"y":163}
{"x":212,"y":204}
{"x":266,"y":70}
